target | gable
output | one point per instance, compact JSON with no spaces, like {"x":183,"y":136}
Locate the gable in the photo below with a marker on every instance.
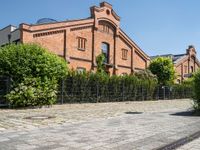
{"x":106,"y":13}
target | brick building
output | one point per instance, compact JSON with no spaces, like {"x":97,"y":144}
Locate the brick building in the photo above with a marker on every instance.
{"x":184,"y":64}
{"x":80,"y":41}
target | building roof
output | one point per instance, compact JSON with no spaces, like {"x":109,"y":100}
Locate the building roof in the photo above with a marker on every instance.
{"x":175,"y":58}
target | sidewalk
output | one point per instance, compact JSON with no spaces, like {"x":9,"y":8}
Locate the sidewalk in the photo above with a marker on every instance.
{"x":127,"y":125}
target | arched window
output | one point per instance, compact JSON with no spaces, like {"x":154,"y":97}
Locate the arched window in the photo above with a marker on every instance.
{"x":105,"y":51}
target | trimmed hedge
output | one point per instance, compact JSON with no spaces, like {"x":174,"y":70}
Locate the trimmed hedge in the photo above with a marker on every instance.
{"x":90,"y":87}
{"x":93,"y":87}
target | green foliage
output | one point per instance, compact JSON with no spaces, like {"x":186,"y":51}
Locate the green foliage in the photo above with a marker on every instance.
{"x":163,"y":68}
{"x":149,"y":80}
{"x":30,"y":60}
{"x":33,"y":92}
{"x":146,"y":74}
{"x":100,"y":64}
{"x":95,"y":87}
{"x":196,"y":86}
{"x":34,"y":73}
{"x":183,"y":90}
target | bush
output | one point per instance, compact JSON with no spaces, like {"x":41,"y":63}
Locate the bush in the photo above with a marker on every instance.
{"x":33,"y":92}
{"x":34,"y":73}
{"x":196,"y":85}
{"x":163,"y":68}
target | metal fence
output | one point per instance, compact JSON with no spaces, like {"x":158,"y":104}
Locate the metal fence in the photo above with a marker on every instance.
{"x":4,"y":89}
{"x":173,"y":92}
{"x":78,"y":92}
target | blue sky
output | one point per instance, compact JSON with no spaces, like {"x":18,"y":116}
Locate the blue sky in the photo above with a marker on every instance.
{"x":157,"y":26}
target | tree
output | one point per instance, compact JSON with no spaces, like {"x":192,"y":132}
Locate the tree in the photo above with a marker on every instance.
{"x":100,"y":64}
{"x":34,"y":72}
{"x":163,"y":68}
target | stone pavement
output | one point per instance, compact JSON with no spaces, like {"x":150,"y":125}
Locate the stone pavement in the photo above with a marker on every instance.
{"x":99,"y":126}
{"x":194,"y":145}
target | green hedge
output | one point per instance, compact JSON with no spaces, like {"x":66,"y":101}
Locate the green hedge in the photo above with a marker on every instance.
{"x":197,"y":91}
{"x":90,"y":87}
{"x":180,"y":91}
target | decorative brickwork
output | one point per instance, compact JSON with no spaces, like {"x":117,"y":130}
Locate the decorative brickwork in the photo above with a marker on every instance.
{"x":47,"y":33}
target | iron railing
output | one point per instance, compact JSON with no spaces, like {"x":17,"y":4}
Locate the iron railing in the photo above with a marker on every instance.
{"x":73,"y":91}
{"x":77,"y":92}
{"x":4,"y":89}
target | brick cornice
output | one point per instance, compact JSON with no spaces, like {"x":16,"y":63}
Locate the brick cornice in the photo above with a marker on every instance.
{"x":54,"y":28}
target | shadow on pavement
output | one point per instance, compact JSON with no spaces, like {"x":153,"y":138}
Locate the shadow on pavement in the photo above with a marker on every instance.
{"x":187,"y":114}
{"x":133,"y":113}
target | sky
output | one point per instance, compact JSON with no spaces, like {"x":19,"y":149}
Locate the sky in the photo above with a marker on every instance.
{"x":157,"y":26}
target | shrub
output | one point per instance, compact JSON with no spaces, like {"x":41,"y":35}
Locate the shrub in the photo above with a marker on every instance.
{"x":100,"y":64}
{"x":196,"y":85}
{"x":33,"y":92}
{"x":163,"y":68}
{"x":34,"y":73}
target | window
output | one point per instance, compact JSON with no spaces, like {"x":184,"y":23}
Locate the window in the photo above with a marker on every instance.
{"x":81,"y":43}
{"x":192,"y":69}
{"x":105,"y":51}
{"x":106,"y":28}
{"x":124,"y":54}
{"x":80,"y":69}
{"x":185,"y":68}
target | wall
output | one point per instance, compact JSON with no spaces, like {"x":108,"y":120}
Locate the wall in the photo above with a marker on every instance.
{"x":61,"y":38}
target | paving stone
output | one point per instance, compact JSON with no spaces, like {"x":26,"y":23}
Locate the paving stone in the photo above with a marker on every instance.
{"x":99,"y":126}
{"x":3,"y":139}
{"x":194,"y":145}
{"x":25,"y":147}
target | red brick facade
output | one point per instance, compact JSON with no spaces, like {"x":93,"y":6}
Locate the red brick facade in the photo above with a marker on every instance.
{"x":186,"y":64}
{"x":80,"y":41}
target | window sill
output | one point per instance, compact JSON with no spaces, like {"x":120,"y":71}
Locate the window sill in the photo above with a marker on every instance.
{"x":81,"y":49}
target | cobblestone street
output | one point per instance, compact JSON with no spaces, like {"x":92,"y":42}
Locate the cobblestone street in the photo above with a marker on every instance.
{"x":126,"y":125}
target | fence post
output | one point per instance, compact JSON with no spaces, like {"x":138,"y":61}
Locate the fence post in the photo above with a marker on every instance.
{"x":97,"y":91}
{"x":8,"y":82}
{"x":163,"y":87}
{"x":142,"y":93}
{"x":123,"y":90}
{"x":62,"y":91}
{"x":158,"y":93}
